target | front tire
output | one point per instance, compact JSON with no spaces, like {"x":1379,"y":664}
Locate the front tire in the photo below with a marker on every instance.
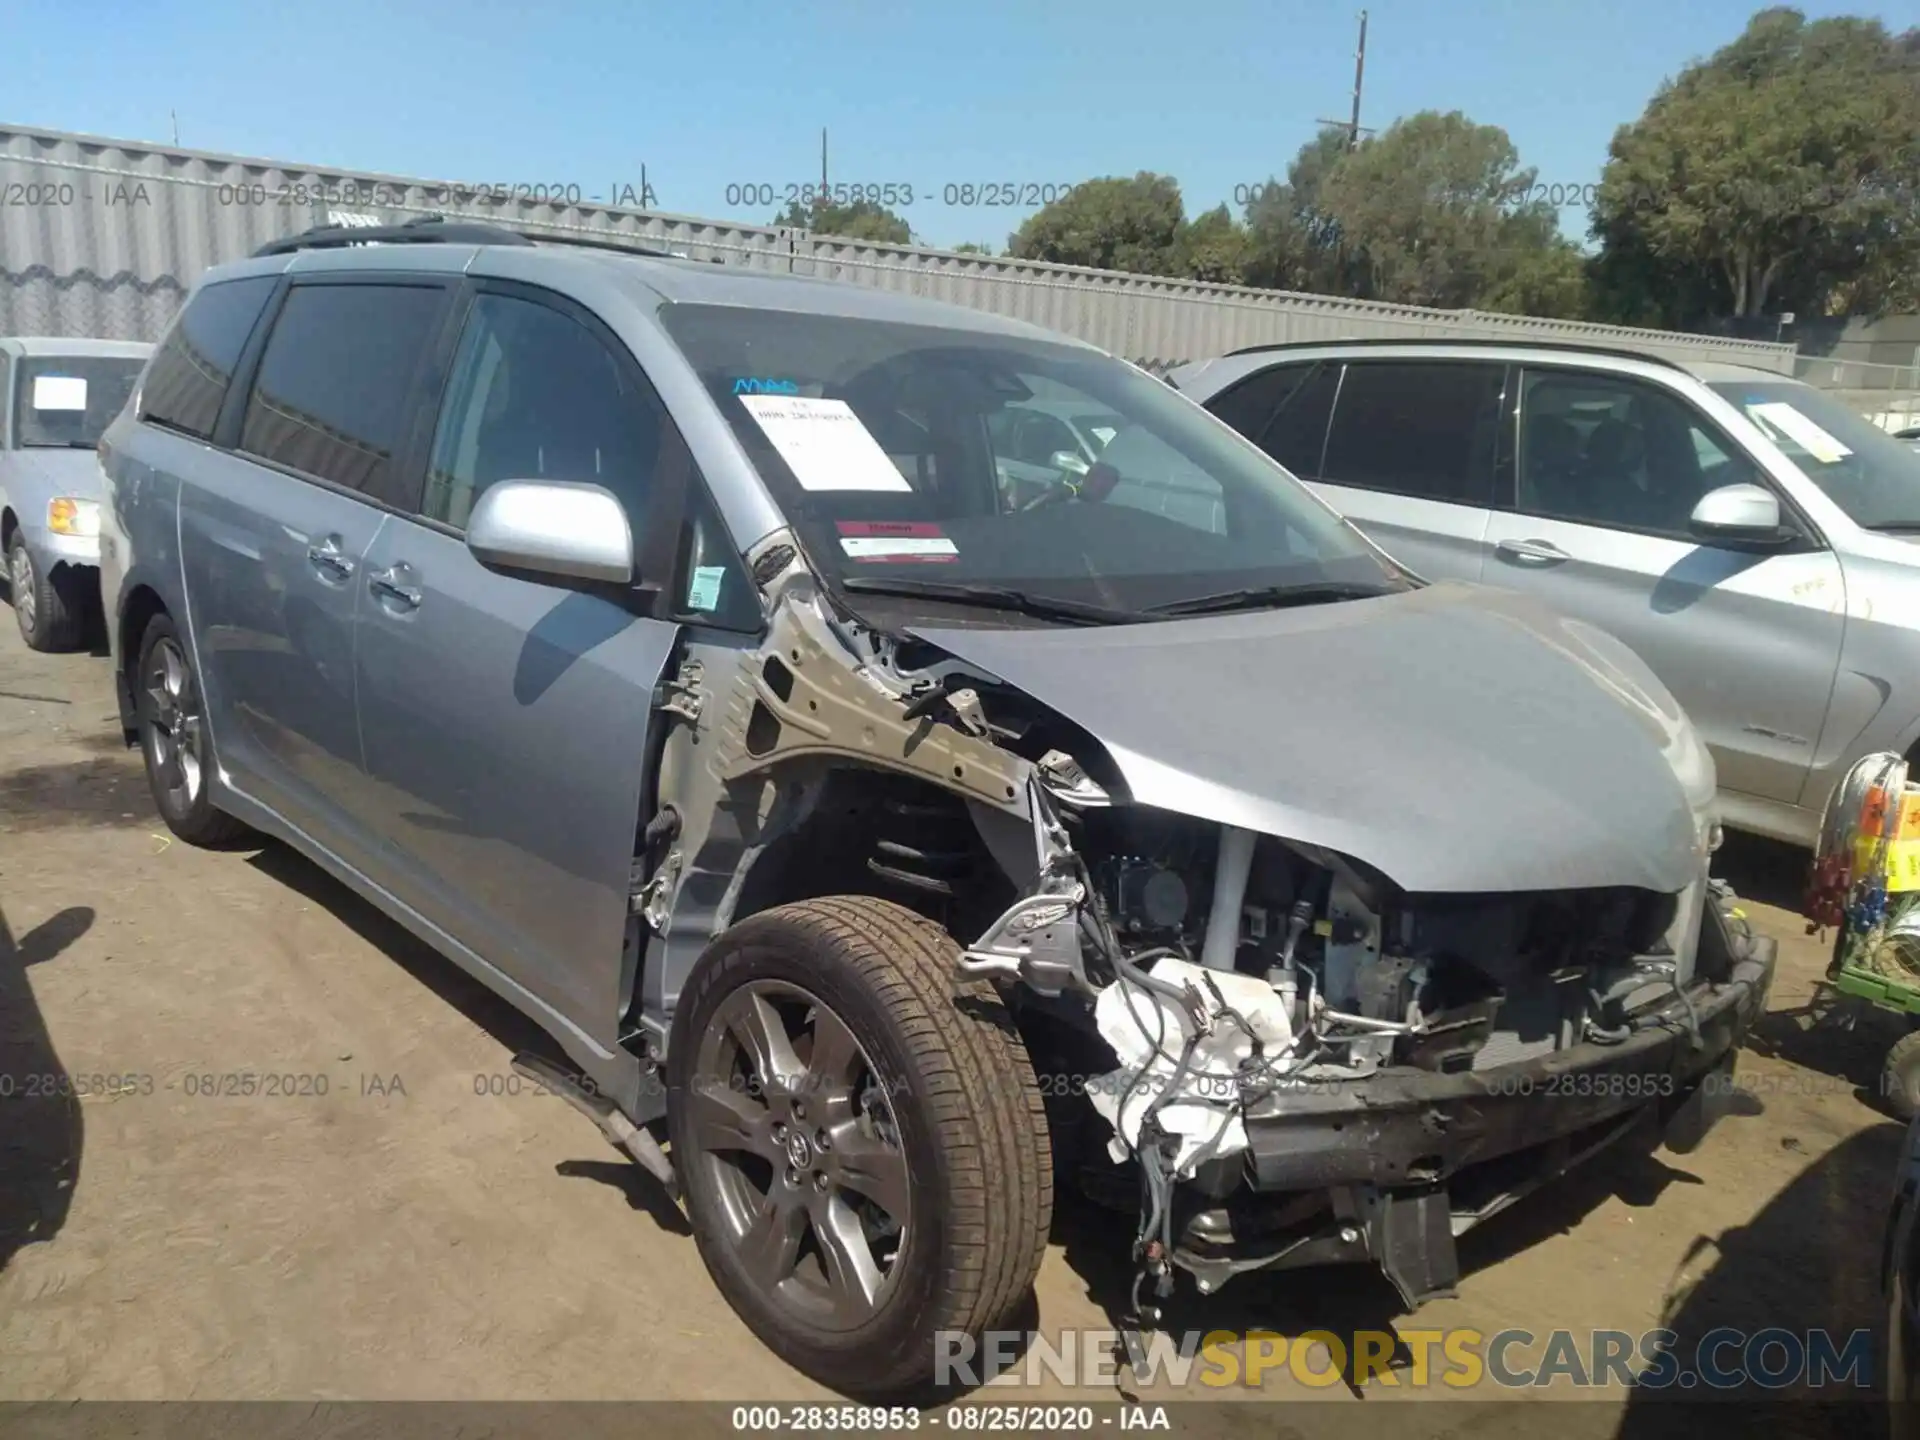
{"x":174,"y":740}
{"x":49,"y":613}
{"x":860,"y":1140}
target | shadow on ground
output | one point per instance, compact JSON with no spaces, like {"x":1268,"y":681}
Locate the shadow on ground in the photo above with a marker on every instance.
{"x":108,"y":789}
{"x":1807,"y":1262}
{"x":1344,"y":1299}
{"x":1769,"y":871}
{"x":41,"y":1130}
{"x":471,"y":998}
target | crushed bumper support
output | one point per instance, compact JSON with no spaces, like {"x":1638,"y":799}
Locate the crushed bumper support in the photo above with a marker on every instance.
{"x":1399,"y":1153}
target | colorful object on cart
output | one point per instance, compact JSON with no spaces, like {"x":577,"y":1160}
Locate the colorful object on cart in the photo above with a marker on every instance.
{"x":1898,"y":827}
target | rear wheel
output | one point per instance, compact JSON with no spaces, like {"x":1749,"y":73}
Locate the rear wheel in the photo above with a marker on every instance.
{"x":174,"y":741}
{"x":1900,"y":1077}
{"x":860,"y":1140}
{"x":47,"y":608}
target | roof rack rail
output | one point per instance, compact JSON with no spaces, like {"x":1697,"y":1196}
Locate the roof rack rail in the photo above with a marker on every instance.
{"x":426,"y":230}
{"x":618,"y":247}
{"x":1489,"y":341}
{"x":439,"y":230}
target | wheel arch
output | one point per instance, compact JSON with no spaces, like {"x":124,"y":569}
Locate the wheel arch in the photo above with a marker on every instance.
{"x":138,"y":610}
{"x":808,"y":829}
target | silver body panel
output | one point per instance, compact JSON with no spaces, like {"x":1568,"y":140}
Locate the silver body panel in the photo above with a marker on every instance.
{"x":1302,"y":723}
{"x":1790,"y":665}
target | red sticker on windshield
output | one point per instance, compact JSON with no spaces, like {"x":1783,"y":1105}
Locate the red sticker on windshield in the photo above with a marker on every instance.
{"x":895,"y":541}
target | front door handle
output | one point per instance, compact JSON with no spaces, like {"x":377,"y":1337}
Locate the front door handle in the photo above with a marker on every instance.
{"x":1537,"y":553}
{"x":390,"y":585}
{"x":330,"y":560}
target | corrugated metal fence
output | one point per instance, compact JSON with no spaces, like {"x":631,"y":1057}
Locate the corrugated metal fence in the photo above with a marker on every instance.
{"x":105,"y":237}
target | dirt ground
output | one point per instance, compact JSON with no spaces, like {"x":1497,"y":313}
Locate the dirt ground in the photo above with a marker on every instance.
{"x":413,"y":1233}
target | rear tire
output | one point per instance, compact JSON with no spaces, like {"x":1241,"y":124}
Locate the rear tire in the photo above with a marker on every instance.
{"x":1900,"y":1077}
{"x":924,"y":1089}
{"x":174,"y":739}
{"x":48,"y":609}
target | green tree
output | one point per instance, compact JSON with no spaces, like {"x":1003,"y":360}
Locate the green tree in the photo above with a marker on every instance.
{"x":1783,"y":172}
{"x":860,"y":220}
{"x":1292,"y":242}
{"x":1435,"y":211}
{"x":968,"y":247}
{"x":1111,"y":224}
{"x":1549,"y":280}
{"x":1213,"y":247}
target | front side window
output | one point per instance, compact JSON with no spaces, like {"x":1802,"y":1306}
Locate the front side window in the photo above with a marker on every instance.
{"x":1284,"y":411}
{"x":193,"y":365}
{"x":331,"y":396}
{"x":1605,"y":450}
{"x":927,"y":453}
{"x":1425,"y":429}
{"x":64,"y":402}
{"x":1868,"y":473}
{"x":535,"y":395}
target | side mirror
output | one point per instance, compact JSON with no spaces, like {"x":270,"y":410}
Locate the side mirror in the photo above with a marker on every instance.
{"x":1739,"y":512}
{"x":571,"y":532}
{"x":1066,"y":460}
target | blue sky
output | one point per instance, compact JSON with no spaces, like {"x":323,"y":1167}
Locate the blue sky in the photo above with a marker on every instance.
{"x":1218,"y":93}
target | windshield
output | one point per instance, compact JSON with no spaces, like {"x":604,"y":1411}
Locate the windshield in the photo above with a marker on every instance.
{"x":904,"y":454}
{"x":1862,"y":469}
{"x":64,"y":402}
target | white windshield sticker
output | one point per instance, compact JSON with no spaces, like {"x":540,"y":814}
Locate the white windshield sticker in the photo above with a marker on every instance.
{"x":898,"y":547}
{"x":59,"y":392}
{"x":1781,"y":416}
{"x":824,"y":443}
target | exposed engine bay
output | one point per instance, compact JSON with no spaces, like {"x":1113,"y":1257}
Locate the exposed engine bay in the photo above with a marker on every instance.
{"x":1267,"y":1033}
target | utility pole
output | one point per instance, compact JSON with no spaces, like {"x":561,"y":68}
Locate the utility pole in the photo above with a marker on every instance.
{"x":174,"y":115}
{"x":824,"y":192}
{"x":1353,"y":127}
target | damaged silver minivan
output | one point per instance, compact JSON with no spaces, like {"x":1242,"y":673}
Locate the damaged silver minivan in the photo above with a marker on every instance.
{"x":890,"y":830}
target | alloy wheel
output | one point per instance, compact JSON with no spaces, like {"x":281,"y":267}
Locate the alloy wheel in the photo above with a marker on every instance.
{"x":795,"y":1130}
{"x":175,"y":733}
{"x":20,"y":580}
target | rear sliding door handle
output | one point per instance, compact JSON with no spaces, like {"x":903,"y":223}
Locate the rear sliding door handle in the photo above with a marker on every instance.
{"x":328,"y":558}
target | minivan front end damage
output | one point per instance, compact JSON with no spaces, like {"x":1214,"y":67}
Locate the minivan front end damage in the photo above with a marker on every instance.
{"x":1341,"y":1011}
{"x":1362,"y":1074}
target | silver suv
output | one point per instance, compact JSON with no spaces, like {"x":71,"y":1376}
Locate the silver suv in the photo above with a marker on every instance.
{"x":1748,"y":536}
{"x":882,"y":830}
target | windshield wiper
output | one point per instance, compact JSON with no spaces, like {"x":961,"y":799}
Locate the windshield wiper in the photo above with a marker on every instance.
{"x":1261,"y":597}
{"x":1895,"y":527}
{"x":998,"y":597}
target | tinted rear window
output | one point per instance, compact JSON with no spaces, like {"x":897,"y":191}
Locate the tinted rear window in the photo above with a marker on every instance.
{"x":331,"y":396}
{"x":1420,"y":428}
{"x":190,"y":372}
